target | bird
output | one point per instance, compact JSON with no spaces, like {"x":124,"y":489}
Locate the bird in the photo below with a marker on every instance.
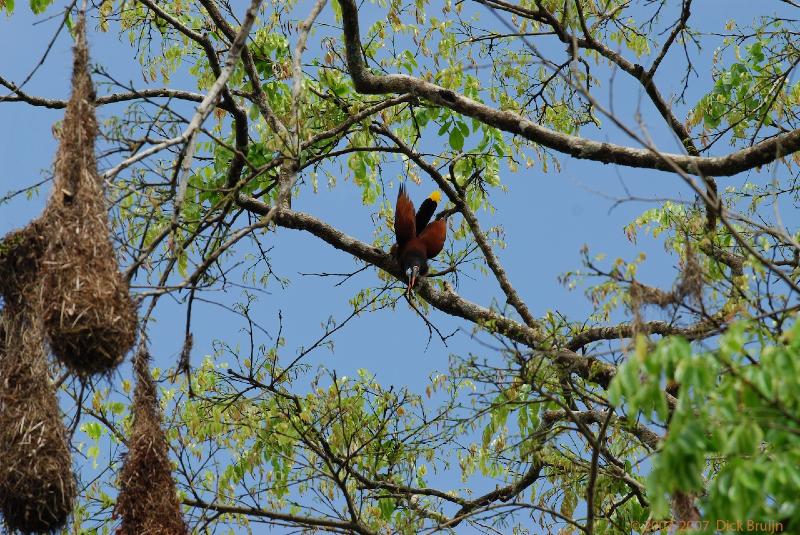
{"x":418,"y":238}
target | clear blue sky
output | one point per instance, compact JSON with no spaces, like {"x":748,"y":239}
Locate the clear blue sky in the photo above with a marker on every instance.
{"x":547,"y":217}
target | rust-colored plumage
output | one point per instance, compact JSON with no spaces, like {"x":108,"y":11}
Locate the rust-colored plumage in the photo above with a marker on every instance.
{"x":418,"y":238}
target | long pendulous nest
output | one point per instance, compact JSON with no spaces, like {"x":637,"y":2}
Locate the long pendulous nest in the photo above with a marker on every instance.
{"x":89,"y":317}
{"x":37,"y":486}
{"x":147,"y":501}
{"x":20,"y":256}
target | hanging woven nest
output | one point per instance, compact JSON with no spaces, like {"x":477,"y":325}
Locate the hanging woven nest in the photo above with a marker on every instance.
{"x":147,"y":501}
{"x":89,"y":317}
{"x":20,"y":256}
{"x":37,"y":486}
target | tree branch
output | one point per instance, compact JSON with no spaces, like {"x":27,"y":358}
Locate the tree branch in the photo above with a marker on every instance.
{"x":273,"y":515}
{"x":365,"y":82}
{"x":626,"y":330}
{"x":57,"y":104}
{"x":446,"y":300}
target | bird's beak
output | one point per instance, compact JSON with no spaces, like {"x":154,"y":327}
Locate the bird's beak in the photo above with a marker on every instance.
{"x":412,"y":279}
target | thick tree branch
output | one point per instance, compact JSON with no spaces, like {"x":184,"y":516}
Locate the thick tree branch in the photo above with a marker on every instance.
{"x":365,"y":82}
{"x":699,"y":330}
{"x":446,"y":300}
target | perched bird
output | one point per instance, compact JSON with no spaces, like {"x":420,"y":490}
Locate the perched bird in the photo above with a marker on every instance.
{"x":418,"y":239}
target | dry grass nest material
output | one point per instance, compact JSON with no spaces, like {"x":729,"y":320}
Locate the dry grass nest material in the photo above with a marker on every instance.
{"x":20,"y":254}
{"x":147,"y":501}
{"x":37,"y":486}
{"x":89,"y":317}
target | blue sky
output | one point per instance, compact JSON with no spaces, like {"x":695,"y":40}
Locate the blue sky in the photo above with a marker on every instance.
{"x":547,"y":217}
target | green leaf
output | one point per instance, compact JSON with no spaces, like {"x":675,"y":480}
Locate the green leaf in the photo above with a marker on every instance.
{"x":93,"y":430}
{"x":456,"y":139}
{"x":183,"y":264}
{"x":337,"y":10}
{"x":488,"y":433}
{"x":387,"y":506}
{"x":93,"y":452}
{"x":756,"y":52}
{"x":39,"y":6}
{"x":116,"y":407}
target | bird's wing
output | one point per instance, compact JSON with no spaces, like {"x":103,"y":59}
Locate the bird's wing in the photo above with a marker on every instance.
{"x":425,"y":214}
{"x":404,"y":225}
{"x":433,"y":237}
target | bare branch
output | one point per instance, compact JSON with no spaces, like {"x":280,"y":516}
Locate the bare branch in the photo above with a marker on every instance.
{"x":284,"y":517}
{"x":56,"y":104}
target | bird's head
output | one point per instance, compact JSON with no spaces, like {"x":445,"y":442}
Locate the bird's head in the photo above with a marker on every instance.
{"x":412,"y":274}
{"x":436,"y":196}
{"x":414,"y":266}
